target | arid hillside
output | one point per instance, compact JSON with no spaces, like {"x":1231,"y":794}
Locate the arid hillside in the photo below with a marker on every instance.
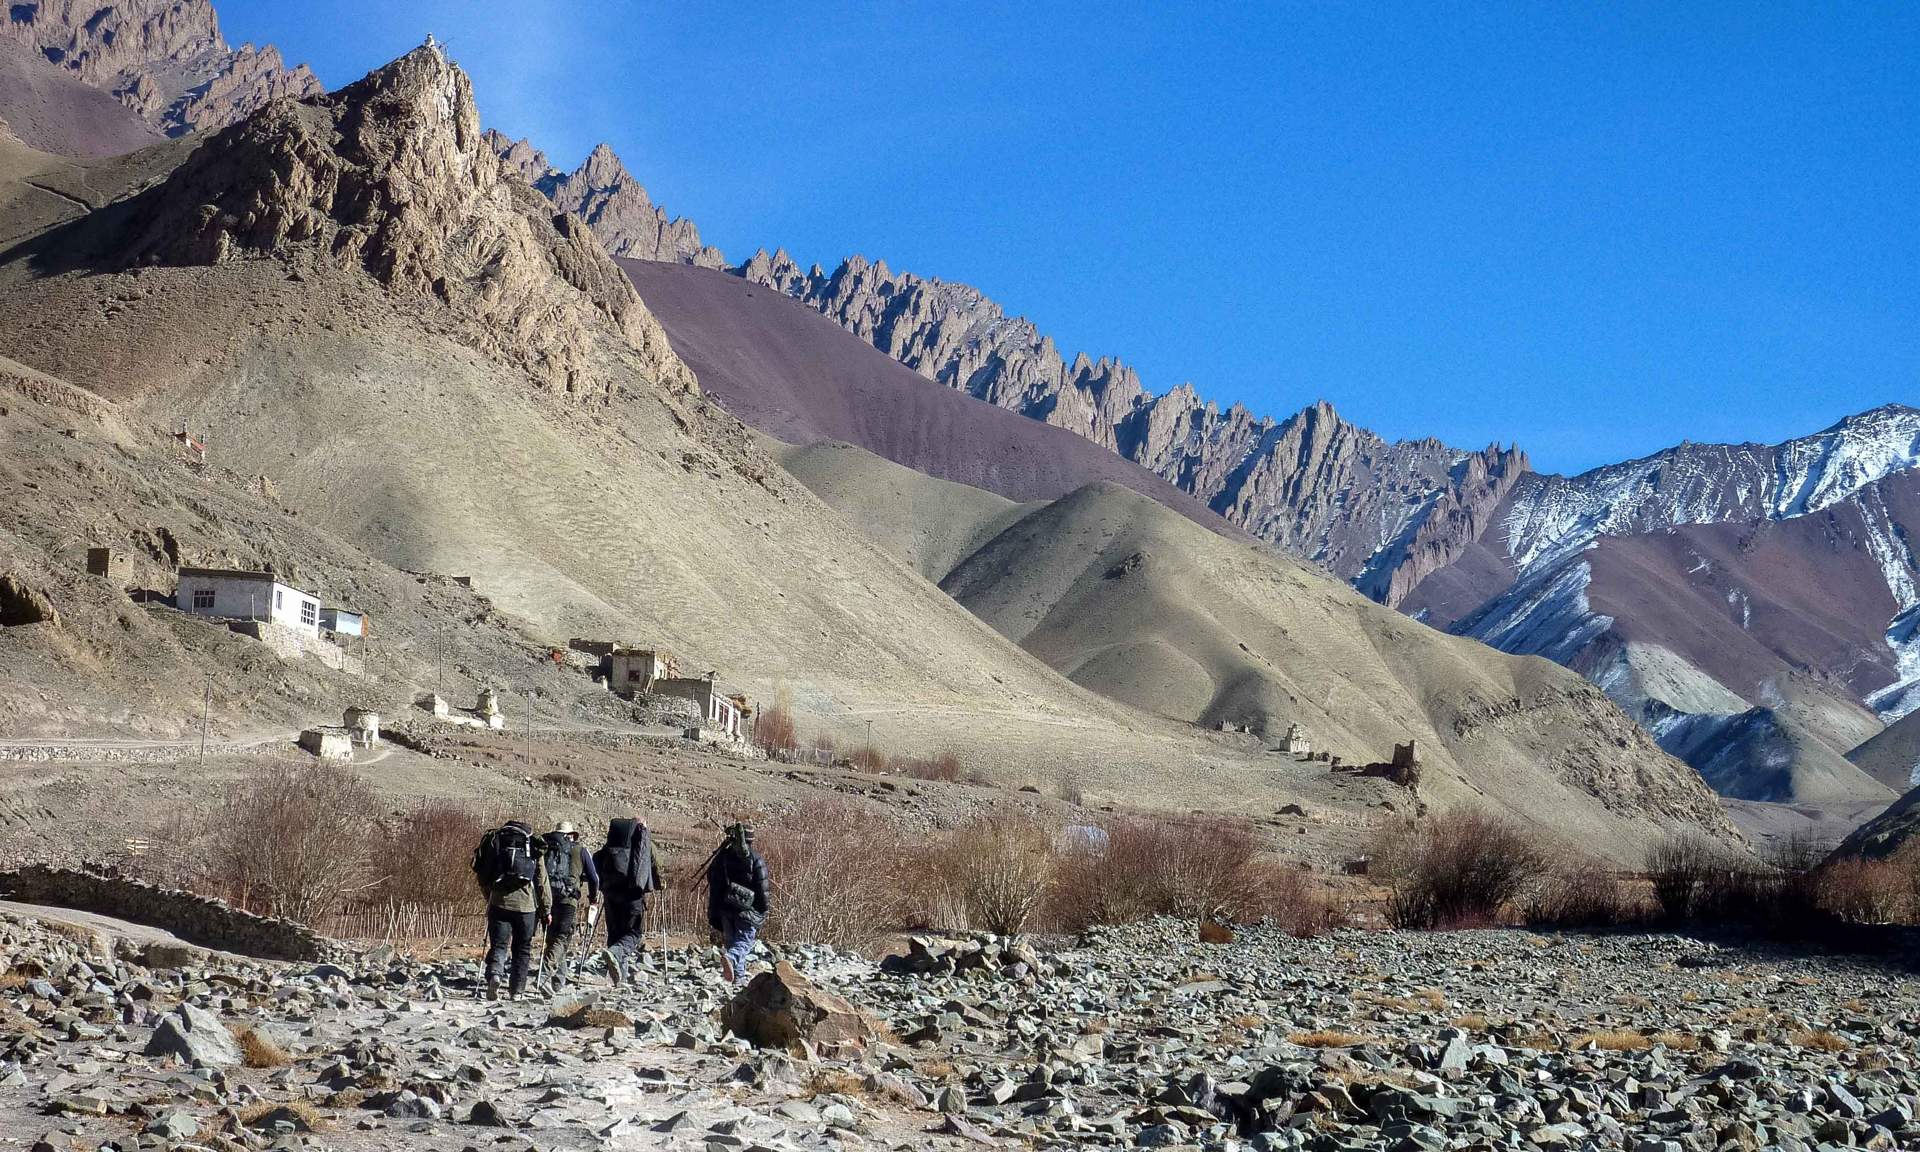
{"x":382,"y":329}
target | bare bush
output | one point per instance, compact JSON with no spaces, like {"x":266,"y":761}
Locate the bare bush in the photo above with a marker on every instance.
{"x":774,"y":729}
{"x":1461,"y":868}
{"x":1583,"y":894}
{"x":296,"y":840}
{"x":944,"y":766}
{"x":1685,"y":869}
{"x":1863,"y":891}
{"x":427,"y":857}
{"x":999,"y":867}
{"x":836,"y":874}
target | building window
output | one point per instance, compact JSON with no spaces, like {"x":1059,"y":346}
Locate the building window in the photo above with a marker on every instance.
{"x":279,"y":601}
{"x":633,"y":675}
{"x":309,"y":612}
{"x":203,"y":598}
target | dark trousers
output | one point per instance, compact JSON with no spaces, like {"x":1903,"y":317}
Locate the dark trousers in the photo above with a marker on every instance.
{"x":509,"y":931}
{"x":560,"y":929}
{"x":624,"y":915}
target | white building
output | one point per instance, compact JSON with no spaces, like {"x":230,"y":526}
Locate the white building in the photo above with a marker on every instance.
{"x":343,"y":621}
{"x":231,"y":594}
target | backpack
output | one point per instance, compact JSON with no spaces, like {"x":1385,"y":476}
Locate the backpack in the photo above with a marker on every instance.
{"x":506,"y":857}
{"x":625,"y":862}
{"x":560,"y":878}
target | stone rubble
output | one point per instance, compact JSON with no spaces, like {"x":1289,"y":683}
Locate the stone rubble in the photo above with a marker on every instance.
{"x":1132,"y":1037}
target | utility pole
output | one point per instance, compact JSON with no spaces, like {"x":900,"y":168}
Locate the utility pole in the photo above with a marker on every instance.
{"x":529,"y":730}
{"x":869,"y":764}
{"x":206,"y":711}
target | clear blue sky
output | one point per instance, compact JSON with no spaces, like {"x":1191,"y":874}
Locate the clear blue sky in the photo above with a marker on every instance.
{"x":1591,"y":232}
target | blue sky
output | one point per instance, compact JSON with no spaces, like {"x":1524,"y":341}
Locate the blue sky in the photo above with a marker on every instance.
{"x":1591,"y":232}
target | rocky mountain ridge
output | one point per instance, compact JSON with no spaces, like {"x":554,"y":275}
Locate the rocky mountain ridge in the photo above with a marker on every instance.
{"x":604,"y":194}
{"x":391,"y":173}
{"x":164,"y":59}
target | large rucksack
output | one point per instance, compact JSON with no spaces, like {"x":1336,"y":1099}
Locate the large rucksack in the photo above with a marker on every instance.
{"x":625,"y":862}
{"x":560,"y":878}
{"x":506,"y":857}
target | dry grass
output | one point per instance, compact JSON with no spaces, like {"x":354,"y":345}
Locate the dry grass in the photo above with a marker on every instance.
{"x":1613,"y":1040}
{"x":1818,"y":1040}
{"x":1471,"y":1022}
{"x":835,"y":1082}
{"x":309,"y":1116}
{"x":12,"y":980}
{"x":1749,"y":1014}
{"x":257,"y":1050}
{"x":1677,"y":1041}
{"x":1328,"y":1038}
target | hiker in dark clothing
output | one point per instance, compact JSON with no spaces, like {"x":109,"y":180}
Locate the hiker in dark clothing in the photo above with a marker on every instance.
{"x":629,"y":869}
{"x":737,"y":900}
{"x":573,"y":881}
{"x":509,"y":868}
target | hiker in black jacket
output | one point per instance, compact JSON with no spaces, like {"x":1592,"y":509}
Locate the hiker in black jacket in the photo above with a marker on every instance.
{"x":629,"y":868}
{"x":737,"y":900}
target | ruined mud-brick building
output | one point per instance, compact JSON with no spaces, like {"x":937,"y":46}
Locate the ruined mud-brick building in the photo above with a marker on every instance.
{"x":636,"y":671}
{"x":722,"y":709}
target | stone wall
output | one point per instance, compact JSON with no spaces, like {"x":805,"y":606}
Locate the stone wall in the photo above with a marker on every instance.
{"x":195,"y":919}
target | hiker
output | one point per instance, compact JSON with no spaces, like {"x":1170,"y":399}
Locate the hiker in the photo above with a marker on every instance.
{"x":508,"y":865}
{"x":572,"y":880}
{"x":629,"y":869}
{"x":736,"y":899}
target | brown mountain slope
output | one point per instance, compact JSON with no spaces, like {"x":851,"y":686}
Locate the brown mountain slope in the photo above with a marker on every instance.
{"x":1893,"y":756}
{"x":1147,"y":608}
{"x":349,"y":327}
{"x":51,"y":110}
{"x":798,"y":377}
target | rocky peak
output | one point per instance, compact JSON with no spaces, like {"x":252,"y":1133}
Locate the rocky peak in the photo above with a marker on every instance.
{"x":165,"y":59}
{"x":520,"y":156}
{"x":603,"y":194}
{"x":392,"y":175}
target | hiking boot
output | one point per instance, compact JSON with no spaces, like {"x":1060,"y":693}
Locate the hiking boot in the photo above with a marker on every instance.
{"x":493,"y":990}
{"x":616,"y":971}
{"x":726,"y":968}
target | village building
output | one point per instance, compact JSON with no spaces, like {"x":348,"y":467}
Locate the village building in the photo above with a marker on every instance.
{"x":328,"y":742}
{"x":234,"y":594}
{"x":116,"y":567}
{"x":638,"y":671}
{"x":1297,"y":743}
{"x":363,"y":724}
{"x":343,"y":621}
{"x":720,"y":708}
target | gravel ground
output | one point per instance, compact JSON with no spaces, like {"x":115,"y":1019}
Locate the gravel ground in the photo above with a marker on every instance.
{"x":1134,"y":1037}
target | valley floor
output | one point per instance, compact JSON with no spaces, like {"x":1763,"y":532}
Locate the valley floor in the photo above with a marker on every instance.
{"x":1136,"y":1036}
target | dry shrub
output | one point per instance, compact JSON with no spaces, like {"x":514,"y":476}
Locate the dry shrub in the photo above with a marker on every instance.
{"x":1613,"y":1040}
{"x":1863,"y":891}
{"x":1819,"y":1040}
{"x":258,"y":1050}
{"x":1199,"y":868}
{"x":565,"y":783}
{"x":836,"y":872}
{"x":1070,"y":788}
{"x":1677,"y":1041}
{"x":1585,"y":894}
{"x":1000,"y":866}
{"x":823,"y":748}
{"x":428,"y":855}
{"x":774,"y":730}
{"x":944,"y":766}
{"x":1461,"y":868}
{"x":295,"y":840}
{"x":1327,"y":1038}
{"x":869,"y":759}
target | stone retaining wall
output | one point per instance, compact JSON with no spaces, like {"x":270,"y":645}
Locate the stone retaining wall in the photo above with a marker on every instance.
{"x":195,"y":919}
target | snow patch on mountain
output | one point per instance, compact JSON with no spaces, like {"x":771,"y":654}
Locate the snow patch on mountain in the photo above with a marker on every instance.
{"x":1710,"y":483}
{"x":1547,"y":616}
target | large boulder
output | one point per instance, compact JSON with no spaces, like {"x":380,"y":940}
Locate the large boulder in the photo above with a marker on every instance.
{"x":783,"y":1009}
{"x":195,"y":1036}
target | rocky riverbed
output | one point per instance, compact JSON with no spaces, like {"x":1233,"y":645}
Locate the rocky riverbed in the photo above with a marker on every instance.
{"x":1134,"y":1037}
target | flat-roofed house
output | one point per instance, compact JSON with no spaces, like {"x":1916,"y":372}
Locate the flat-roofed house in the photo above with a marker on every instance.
{"x":236,"y":594}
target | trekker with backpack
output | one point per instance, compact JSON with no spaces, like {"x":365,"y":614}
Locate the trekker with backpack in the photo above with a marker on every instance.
{"x":508,"y":865}
{"x":737,"y":900}
{"x":629,"y":869}
{"x":572,"y":880}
